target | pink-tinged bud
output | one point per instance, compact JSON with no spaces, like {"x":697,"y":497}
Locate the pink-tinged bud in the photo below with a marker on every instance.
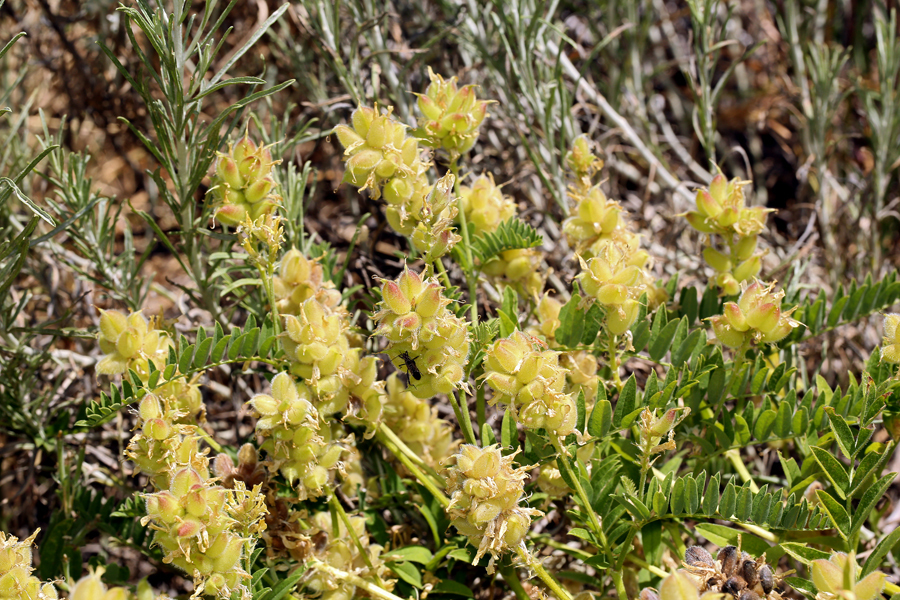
{"x":716,"y":259}
{"x":745,"y":247}
{"x":726,"y":334}
{"x":395,"y":299}
{"x":429,"y":301}
{"x":227,"y":171}
{"x":163,"y":506}
{"x":348,"y":137}
{"x":664,"y":424}
{"x":621,"y":318}
{"x":378,"y":133}
{"x":408,"y":322}
{"x":735,"y":317}
{"x":751,"y":296}
{"x":184,"y":480}
{"x":707,"y":205}
{"x":748,"y":269}
{"x":112,"y":324}
{"x":258,"y":190}
{"x":231,"y":214}
{"x":157,"y":429}
{"x":779,"y":332}
{"x":362,"y":118}
{"x":611,"y":294}
{"x":727,"y":217}
{"x":728,"y":284}
{"x":129,"y":343}
{"x":699,"y":222}
{"x":189,"y":528}
{"x":764,"y":317}
{"x":195,"y":503}
{"x":149,"y":408}
{"x":244,"y":148}
{"x":410,"y":283}
{"x":428,"y":107}
{"x":718,"y":187}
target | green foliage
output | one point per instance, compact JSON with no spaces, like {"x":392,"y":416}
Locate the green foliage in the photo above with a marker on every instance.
{"x":512,"y":234}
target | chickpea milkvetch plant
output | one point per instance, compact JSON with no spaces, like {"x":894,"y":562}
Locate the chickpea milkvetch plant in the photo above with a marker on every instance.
{"x":634,"y":472}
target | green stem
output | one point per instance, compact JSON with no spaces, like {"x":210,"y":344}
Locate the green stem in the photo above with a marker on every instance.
{"x":403,"y":453}
{"x":741,"y":468}
{"x":443,"y":272}
{"x":541,"y":572}
{"x":469,"y":269}
{"x":582,"y":496}
{"x":619,"y":581}
{"x":465,"y":420}
{"x":512,"y":580}
{"x":480,"y":411}
{"x":614,"y":361}
{"x":336,"y":506}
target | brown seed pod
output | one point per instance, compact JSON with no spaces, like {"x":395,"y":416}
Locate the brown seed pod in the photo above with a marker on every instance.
{"x":733,"y":586}
{"x":766,"y":579}
{"x":749,"y":595}
{"x":698,"y":556}
{"x":728,"y":557}
{"x":749,"y":572}
{"x":648,"y":594}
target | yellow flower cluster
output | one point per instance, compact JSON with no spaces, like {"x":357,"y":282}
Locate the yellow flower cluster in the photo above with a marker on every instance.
{"x":614,"y":267}
{"x":531,"y":383}
{"x":580,"y":365}
{"x":890,"y":344}
{"x":423,"y":335}
{"x":484,"y":503}
{"x":756,"y":317}
{"x":452,"y":115}
{"x":16,"y":580}
{"x":305,"y":449}
{"x":722,"y":211}
{"x":242,"y":184}
{"x":417,"y":423}
{"x":319,"y":346}
{"x":336,"y":549}
{"x":130,"y":343}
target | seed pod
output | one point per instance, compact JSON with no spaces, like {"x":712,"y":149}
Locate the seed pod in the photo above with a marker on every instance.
{"x":766,"y":579}
{"x":728,"y":557}
{"x":648,"y":594}
{"x":733,"y":586}
{"x":697,"y":555}
{"x":749,"y":595}
{"x":748,"y":571}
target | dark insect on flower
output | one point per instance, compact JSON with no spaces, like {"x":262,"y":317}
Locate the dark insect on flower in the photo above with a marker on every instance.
{"x":411,"y":367}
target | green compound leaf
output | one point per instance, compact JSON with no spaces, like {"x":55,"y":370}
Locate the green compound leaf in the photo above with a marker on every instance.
{"x":512,"y":234}
{"x":834,"y":470}
{"x":836,"y":513}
